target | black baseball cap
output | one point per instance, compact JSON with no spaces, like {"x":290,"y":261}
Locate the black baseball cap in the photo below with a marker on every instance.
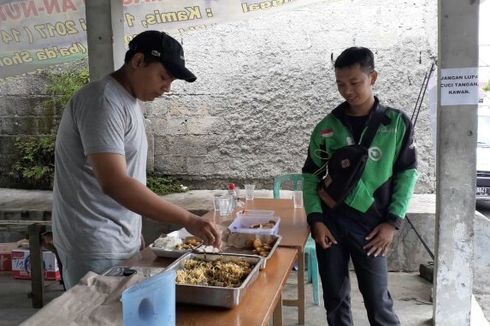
{"x":166,"y":48}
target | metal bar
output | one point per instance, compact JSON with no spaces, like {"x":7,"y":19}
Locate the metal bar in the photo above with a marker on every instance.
{"x":23,"y":222}
{"x":424,"y":86}
{"x":37,"y":281}
{"x":421,"y":239}
{"x":418,"y":97}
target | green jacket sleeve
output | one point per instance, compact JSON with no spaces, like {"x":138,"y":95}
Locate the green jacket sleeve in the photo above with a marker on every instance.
{"x":404,"y":175}
{"x":312,"y":168}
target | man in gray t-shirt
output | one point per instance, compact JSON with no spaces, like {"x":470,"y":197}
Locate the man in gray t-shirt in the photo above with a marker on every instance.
{"x":99,"y":192}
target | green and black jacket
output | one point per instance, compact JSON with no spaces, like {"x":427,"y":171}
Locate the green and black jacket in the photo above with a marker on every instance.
{"x":389,"y":178}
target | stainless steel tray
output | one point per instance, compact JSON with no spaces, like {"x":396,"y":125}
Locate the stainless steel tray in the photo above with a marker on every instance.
{"x":239,"y":243}
{"x":214,"y":295}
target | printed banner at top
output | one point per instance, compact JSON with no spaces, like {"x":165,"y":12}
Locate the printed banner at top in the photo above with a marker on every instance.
{"x":38,"y":33}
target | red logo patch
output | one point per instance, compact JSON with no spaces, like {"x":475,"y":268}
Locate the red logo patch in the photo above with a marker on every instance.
{"x":326,"y":133}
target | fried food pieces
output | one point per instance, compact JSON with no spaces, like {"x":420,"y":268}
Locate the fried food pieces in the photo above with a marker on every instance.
{"x":262,"y":249}
{"x":269,"y":225}
{"x":189,"y":243}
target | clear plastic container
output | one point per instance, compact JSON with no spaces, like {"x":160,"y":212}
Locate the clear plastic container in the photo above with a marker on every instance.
{"x":256,"y":212}
{"x":258,"y":224}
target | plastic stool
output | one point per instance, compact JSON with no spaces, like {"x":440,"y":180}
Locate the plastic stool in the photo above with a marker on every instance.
{"x":313,"y":276}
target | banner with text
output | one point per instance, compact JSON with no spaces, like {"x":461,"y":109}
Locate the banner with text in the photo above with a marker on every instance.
{"x":38,"y":33}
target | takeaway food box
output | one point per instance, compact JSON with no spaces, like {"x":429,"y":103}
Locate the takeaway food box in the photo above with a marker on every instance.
{"x":21,"y":265}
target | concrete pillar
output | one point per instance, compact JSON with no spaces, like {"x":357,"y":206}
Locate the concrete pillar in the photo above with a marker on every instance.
{"x":456,"y":167}
{"x":105,"y":36}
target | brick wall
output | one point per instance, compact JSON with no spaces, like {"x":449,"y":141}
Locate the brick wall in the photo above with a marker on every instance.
{"x":262,"y":86}
{"x":22,"y":114}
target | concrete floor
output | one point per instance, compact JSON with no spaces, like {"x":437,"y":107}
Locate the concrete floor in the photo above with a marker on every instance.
{"x":410,"y":292}
{"x":15,"y":305}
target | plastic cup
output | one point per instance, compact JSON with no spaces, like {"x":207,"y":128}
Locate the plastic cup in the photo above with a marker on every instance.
{"x":298,"y":198}
{"x":224,"y":205}
{"x":216,"y":198}
{"x":249,"y":191}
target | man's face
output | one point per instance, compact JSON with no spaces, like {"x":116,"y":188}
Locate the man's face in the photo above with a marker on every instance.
{"x":151,"y":80}
{"x":355,"y":85}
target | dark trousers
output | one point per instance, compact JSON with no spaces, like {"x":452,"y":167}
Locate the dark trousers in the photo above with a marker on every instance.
{"x":372,"y":275}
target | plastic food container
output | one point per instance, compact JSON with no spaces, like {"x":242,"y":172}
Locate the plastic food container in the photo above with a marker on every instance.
{"x":150,"y":302}
{"x":257,"y":224}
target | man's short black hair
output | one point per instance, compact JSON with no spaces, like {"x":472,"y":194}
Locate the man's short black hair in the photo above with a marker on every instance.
{"x":148,"y":58}
{"x":356,"y":55}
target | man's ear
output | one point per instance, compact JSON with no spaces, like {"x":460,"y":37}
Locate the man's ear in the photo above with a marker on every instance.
{"x":138,"y":60}
{"x":374,"y":76}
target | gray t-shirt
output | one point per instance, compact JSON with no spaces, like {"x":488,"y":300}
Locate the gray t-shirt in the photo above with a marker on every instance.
{"x":103,"y":117}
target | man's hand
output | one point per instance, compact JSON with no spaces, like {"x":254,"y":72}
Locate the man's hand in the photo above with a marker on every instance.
{"x":381,"y":238}
{"x":204,"y":230}
{"x":322,"y":235}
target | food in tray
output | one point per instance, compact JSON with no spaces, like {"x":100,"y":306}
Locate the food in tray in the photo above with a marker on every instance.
{"x":176,"y":243}
{"x":260,"y":248}
{"x":218,"y":272}
{"x":189,"y":243}
{"x":269,"y":225}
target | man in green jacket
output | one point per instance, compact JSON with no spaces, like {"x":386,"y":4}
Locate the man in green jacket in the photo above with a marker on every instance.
{"x":361,"y":227}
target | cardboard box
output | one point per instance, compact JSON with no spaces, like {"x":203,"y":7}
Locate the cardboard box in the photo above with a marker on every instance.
{"x":21,"y":265}
{"x":6,"y":255}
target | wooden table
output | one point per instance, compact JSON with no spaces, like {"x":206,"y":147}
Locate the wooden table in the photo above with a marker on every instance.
{"x":262,"y":301}
{"x":294,"y":231}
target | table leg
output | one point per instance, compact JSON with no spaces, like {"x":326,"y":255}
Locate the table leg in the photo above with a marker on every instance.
{"x":37,"y":281}
{"x":277,"y":315}
{"x":300,"y":301}
{"x":301,"y":286}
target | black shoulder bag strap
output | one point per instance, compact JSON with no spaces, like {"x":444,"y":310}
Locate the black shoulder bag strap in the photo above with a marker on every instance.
{"x":373,"y":124}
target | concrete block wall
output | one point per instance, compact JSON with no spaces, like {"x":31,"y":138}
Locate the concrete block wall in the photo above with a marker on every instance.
{"x":481,"y":271}
{"x":21,"y":115}
{"x":24,"y":113}
{"x":408,"y":252}
{"x":264,"y":83}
